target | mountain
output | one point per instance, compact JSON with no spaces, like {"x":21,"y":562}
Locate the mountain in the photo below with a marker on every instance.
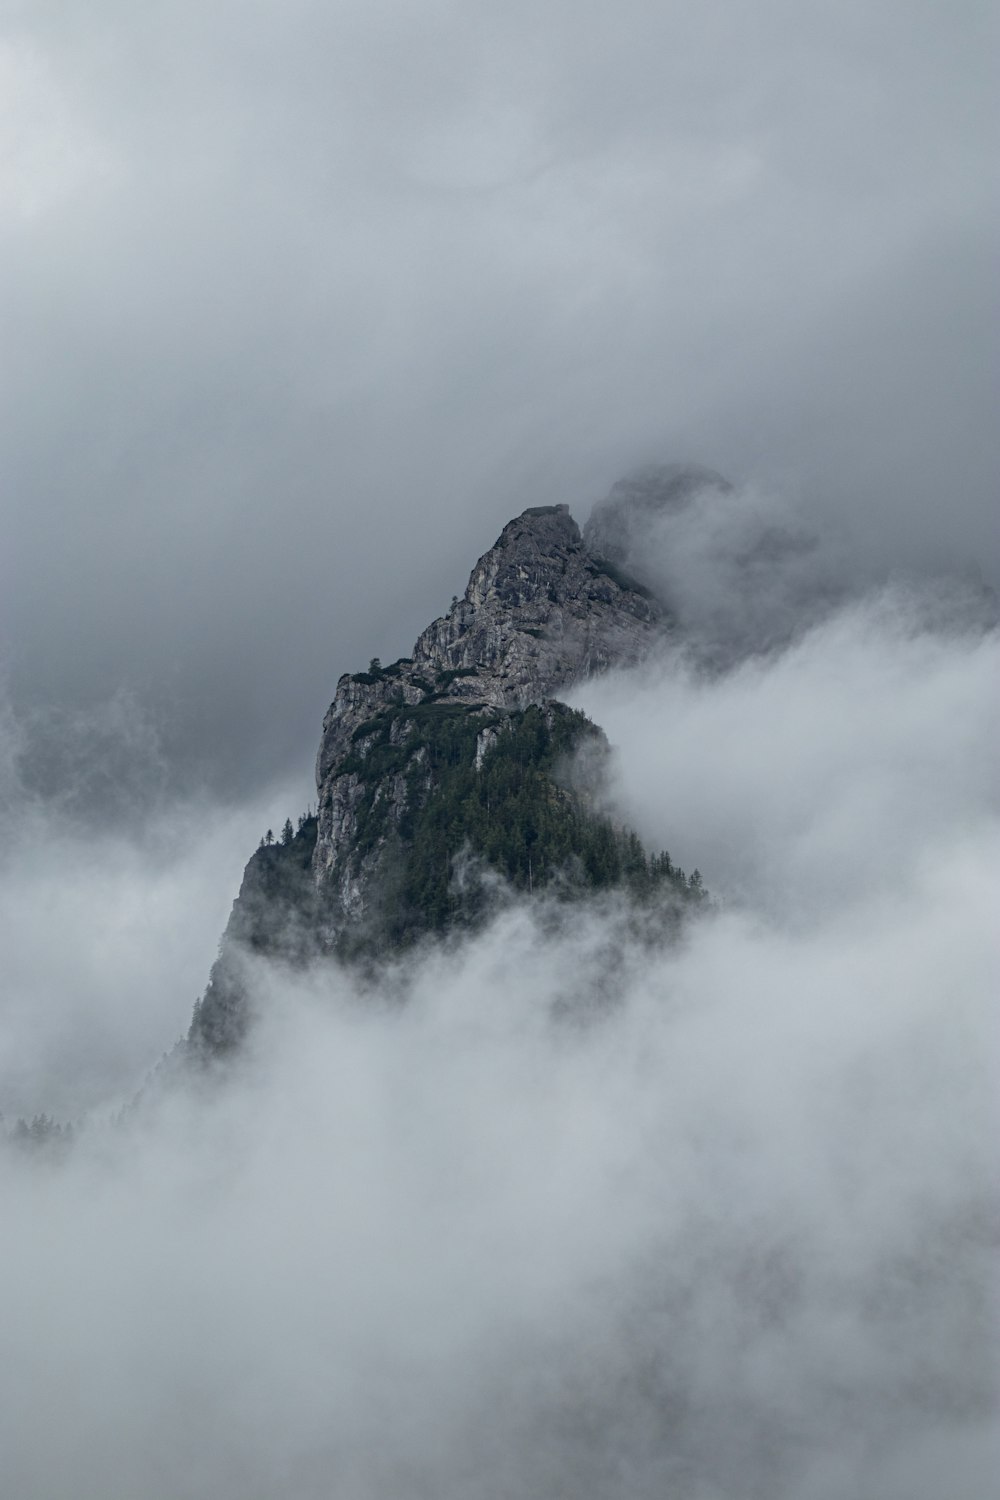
{"x":459,"y":764}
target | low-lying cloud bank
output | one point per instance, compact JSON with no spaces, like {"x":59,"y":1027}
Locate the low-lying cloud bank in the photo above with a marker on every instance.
{"x":731,"y":1237}
{"x":844,"y":766}
{"x":114,"y":894}
{"x":561,"y":1213}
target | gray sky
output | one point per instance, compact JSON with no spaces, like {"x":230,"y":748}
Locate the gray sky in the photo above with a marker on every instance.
{"x":300,"y":302}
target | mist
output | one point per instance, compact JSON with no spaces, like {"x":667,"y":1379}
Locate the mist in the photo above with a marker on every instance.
{"x":823,"y":775}
{"x":563,"y":1207}
{"x":115,"y":890}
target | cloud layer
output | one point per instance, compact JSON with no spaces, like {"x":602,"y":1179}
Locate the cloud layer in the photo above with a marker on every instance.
{"x":837,"y":769}
{"x":114,"y":894}
{"x":557,"y":1211}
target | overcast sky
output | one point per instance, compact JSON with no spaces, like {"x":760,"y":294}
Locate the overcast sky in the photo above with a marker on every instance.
{"x":301,"y":301}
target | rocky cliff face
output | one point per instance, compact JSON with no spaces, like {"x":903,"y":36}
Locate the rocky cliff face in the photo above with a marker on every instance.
{"x":456,"y":750}
{"x":540,"y":612}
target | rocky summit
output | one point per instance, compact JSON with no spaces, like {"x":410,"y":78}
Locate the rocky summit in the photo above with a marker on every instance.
{"x":452,"y":762}
{"x":540,"y":612}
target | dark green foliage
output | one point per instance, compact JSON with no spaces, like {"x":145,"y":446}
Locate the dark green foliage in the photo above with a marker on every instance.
{"x":512,"y":814}
{"x":377,"y":673}
{"x":445,"y":732}
{"x":276,"y":914}
{"x":432,"y":828}
{"x":600,"y":565}
{"x":276,"y":883}
{"x":445,"y":677}
{"x":368,"y":727}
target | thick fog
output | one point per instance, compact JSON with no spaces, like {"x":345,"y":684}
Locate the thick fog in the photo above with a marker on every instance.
{"x":109,"y":929}
{"x":563,"y":1210}
{"x":301,"y":302}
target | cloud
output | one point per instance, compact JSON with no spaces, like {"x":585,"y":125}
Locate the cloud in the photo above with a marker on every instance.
{"x":835,"y":769}
{"x":115,"y":891}
{"x":731,"y":1236}
{"x":551,"y":1210}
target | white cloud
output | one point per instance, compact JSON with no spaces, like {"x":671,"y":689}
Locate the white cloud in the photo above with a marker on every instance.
{"x":553,"y":1211}
{"x":703,"y":1240}
{"x":114,"y":895}
{"x":48,"y":155}
{"x":838,"y":768}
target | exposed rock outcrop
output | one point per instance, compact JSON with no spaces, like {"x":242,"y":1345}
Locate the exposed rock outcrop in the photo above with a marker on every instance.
{"x":540,"y":612}
{"x":453,"y":758}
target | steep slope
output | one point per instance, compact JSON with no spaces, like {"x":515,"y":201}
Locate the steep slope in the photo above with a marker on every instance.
{"x":453,"y":766}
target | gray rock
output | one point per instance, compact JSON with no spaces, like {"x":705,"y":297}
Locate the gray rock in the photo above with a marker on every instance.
{"x":540,"y":613}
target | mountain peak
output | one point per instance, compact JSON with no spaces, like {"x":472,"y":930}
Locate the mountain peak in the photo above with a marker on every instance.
{"x":450,"y":751}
